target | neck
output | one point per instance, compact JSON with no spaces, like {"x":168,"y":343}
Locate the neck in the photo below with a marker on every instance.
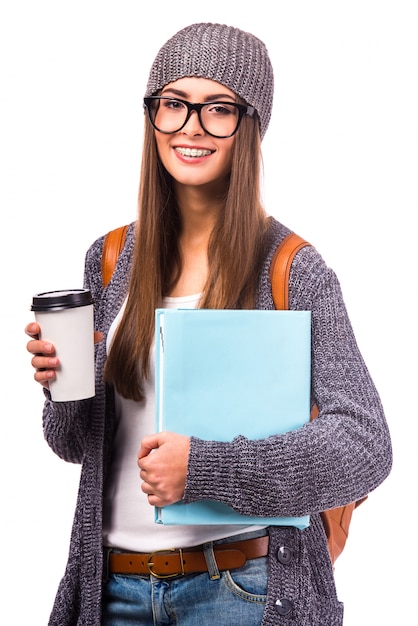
{"x":199,"y":211}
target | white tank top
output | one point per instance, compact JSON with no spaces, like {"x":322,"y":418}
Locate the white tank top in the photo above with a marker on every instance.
{"x":128,"y":521}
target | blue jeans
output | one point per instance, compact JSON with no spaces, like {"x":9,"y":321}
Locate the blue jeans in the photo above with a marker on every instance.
{"x":235,"y":597}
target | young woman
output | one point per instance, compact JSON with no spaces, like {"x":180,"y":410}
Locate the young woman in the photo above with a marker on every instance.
{"x":203,"y":239}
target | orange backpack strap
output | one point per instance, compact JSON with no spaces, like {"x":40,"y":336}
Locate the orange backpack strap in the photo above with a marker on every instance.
{"x":336,"y":521}
{"x":112,"y":246}
{"x":280,"y":269}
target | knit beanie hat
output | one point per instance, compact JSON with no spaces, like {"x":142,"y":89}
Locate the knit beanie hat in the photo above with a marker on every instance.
{"x":236,"y":59}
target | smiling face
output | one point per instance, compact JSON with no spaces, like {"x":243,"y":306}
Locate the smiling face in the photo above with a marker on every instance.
{"x":192,"y":156}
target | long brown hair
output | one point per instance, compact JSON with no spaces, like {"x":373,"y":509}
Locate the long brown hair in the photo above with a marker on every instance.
{"x":235,"y":253}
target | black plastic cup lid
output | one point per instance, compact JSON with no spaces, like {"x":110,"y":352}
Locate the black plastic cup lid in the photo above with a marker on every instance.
{"x":63,"y":299}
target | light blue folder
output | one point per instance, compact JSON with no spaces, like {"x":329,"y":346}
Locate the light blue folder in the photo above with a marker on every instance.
{"x":224,"y":373}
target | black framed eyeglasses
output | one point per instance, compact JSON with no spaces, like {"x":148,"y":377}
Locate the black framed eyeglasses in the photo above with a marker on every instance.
{"x":219,"y":119}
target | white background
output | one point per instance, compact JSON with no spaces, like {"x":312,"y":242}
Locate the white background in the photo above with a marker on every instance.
{"x":340,"y":169}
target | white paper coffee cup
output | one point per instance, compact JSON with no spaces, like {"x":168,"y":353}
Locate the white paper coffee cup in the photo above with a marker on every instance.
{"x":66,"y":320}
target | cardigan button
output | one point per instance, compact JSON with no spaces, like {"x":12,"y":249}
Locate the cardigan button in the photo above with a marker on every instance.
{"x":284,"y":607}
{"x":284,"y":555}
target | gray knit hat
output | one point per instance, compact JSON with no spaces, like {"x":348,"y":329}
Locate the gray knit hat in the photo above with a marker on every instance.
{"x":228,"y":55}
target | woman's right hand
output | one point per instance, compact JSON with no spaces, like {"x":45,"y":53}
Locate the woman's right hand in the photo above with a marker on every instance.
{"x":44,"y":359}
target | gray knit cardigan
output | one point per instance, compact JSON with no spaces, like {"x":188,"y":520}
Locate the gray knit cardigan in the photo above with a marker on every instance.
{"x":338,"y":458}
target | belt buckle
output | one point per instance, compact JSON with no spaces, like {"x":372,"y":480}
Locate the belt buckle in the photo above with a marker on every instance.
{"x":151,"y":565}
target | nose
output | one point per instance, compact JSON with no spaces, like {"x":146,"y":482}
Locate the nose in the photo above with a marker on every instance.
{"x":193,"y":125}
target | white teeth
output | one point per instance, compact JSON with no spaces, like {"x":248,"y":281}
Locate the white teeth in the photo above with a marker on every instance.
{"x":193,"y":152}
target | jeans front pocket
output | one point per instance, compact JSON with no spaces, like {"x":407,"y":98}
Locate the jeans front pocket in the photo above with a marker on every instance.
{"x":249,"y":582}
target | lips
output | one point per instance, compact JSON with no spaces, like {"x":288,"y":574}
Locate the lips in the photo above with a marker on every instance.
{"x":193,"y":152}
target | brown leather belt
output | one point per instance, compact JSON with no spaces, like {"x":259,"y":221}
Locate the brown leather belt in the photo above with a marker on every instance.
{"x":177,"y":562}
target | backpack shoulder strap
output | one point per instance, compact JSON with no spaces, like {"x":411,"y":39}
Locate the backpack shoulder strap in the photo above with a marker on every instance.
{"x":112,"y":246}
{"x":280,"y":268}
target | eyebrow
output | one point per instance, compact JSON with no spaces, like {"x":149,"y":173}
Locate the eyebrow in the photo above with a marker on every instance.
{"x":183,"y":94}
